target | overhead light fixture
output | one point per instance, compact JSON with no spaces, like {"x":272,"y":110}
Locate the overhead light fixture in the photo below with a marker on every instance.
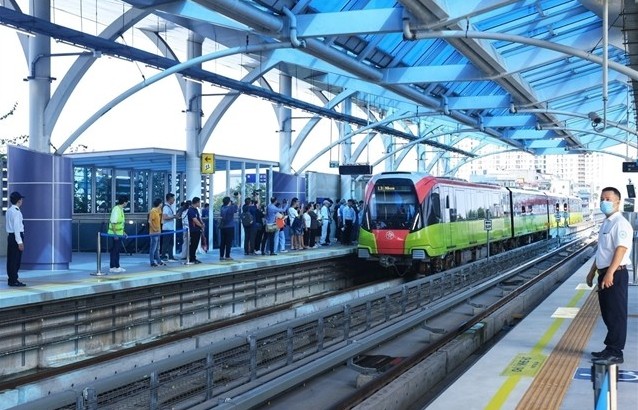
{"x":20,"y":30}
{"x":193,"y":80}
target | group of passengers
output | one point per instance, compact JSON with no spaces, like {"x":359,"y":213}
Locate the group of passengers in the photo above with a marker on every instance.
{"x":308,"y":225}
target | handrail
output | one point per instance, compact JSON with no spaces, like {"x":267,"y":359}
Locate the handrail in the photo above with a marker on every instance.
{"x":98,"y":258}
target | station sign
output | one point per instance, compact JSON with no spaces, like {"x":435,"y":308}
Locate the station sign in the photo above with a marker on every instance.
{"x":208,"y":164}
{"x":250,"y":178}
{"x":630,"y":166}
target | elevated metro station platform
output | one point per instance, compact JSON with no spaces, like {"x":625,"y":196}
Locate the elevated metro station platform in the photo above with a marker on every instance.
{"x":544,"y":361}
{"x":80,"y":279}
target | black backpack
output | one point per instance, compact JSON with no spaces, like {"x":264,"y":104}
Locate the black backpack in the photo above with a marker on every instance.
{"x":246,"y":218}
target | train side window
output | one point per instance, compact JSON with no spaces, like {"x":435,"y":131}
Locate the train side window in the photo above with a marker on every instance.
{"x":434,"y":211}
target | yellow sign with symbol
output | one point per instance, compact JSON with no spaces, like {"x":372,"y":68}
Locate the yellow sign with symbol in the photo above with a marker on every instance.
{"x":208,"y":163}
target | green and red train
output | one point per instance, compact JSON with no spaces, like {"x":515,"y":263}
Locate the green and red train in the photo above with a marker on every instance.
{"x":415,"y":220}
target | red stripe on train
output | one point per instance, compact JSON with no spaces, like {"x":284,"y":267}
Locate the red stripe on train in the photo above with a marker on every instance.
{"x":390,"y":241}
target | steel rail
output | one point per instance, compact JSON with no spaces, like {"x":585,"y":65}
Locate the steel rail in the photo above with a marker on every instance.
{"x":344,"y":351}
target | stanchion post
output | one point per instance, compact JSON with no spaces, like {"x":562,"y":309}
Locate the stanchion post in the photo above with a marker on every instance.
{"x":604,"y":377}
{"x":99,"y":257}
{"x":188,"y":245}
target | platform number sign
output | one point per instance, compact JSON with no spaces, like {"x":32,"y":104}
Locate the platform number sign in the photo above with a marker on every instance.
{"x":487,"y":224}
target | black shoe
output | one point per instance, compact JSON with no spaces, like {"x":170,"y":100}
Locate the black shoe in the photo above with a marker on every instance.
{"x":609,"y":358}
{"x":17,"y":283}
{"x":197,"y":261}
{"x":596,"y":355}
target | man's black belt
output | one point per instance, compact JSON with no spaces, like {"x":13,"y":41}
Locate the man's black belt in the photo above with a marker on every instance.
{"x":621,"y":267}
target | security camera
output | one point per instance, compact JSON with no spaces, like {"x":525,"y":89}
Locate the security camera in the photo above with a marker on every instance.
{"x":595,"y":118}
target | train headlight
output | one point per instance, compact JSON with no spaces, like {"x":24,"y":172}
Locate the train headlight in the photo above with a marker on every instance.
{"x":418,"y":254}
{"x":363,"y":253}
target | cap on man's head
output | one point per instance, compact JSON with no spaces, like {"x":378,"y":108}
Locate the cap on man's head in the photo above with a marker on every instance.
{"x":15,"y":197}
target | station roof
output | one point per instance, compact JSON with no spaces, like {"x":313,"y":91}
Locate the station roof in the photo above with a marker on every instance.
{"x":158,"y":160}
{"x":523,"y":75}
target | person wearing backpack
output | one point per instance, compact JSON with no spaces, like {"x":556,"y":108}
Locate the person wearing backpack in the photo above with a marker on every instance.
{"x":247,"y":217}
{"x":227,"y":226}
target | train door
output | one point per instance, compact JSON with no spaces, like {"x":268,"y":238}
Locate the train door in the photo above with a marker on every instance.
{"x":449,"y":214}
{"x":464,"y":215}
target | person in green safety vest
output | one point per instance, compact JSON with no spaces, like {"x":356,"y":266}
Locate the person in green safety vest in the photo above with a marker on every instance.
{"x":116,"y":227}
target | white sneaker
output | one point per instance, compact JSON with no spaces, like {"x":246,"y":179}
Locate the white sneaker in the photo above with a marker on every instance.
{"x":120,"y":269}
{"x":283,"y":251}
{"x":114,"y":270}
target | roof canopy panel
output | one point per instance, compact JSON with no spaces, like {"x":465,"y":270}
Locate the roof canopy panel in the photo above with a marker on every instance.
{"x":504,"y":68}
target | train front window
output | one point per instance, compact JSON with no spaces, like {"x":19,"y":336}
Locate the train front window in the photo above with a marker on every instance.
{"x":393,"y":205}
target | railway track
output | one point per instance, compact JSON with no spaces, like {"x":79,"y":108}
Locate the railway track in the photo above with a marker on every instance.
{"x":248,"y":371}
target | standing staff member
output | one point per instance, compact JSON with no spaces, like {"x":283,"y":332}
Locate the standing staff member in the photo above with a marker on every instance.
{"x":116,"y":227}
{"x":612,"y":257}
{"x":15,"y":246}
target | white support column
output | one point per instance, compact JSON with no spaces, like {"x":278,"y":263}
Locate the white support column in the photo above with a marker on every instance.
{"x":420,"y":148}
{"x":39,"y":79}
{"x":389,"y":144}
{"x":346,"y":151}
{"x":193,"y":123}
{"x":285,"y":125}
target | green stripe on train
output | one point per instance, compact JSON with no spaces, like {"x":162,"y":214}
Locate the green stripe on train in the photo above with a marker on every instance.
{"x":439,"y":239}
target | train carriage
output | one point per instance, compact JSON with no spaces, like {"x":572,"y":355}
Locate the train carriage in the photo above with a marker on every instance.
{"x":433,"y":223}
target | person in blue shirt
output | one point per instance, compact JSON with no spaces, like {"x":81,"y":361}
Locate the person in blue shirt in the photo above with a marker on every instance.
{"x":227,"y":227}
{"x":348,"y":215}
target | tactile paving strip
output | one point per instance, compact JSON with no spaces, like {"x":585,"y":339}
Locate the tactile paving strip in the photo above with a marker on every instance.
{"x":551,"y":383}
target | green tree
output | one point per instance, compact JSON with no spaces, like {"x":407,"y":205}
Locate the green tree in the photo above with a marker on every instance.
{"x":4,"y":141}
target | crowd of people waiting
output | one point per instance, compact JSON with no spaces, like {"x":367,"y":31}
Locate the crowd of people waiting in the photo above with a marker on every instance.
{"x":308,"y":225}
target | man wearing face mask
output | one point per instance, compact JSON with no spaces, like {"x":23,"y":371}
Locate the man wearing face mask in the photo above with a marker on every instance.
{"x":612,"y":257}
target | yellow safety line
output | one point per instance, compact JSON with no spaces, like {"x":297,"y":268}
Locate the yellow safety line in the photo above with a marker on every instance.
{"x":510,"y":383}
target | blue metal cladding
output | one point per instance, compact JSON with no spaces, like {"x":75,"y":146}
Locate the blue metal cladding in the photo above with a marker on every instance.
{"x":46,"y":181}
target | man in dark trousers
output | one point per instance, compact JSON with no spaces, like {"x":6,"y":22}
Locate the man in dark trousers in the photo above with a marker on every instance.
{"x":612,"y":257}
{"x":15,"y":244}
{"x":195,"y":226}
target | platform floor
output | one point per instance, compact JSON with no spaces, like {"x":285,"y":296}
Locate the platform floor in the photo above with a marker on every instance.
{"x":79,"y":279}
{"x":548,"y":353}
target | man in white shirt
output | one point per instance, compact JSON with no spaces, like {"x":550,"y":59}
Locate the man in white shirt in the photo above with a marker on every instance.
{"x":324,"y":214}
{"x":168,"y":224}
{"x":615,"y":239}
{"x":15,"y":244}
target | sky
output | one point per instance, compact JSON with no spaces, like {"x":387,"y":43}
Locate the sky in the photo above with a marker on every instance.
{"x":153,"y":117}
